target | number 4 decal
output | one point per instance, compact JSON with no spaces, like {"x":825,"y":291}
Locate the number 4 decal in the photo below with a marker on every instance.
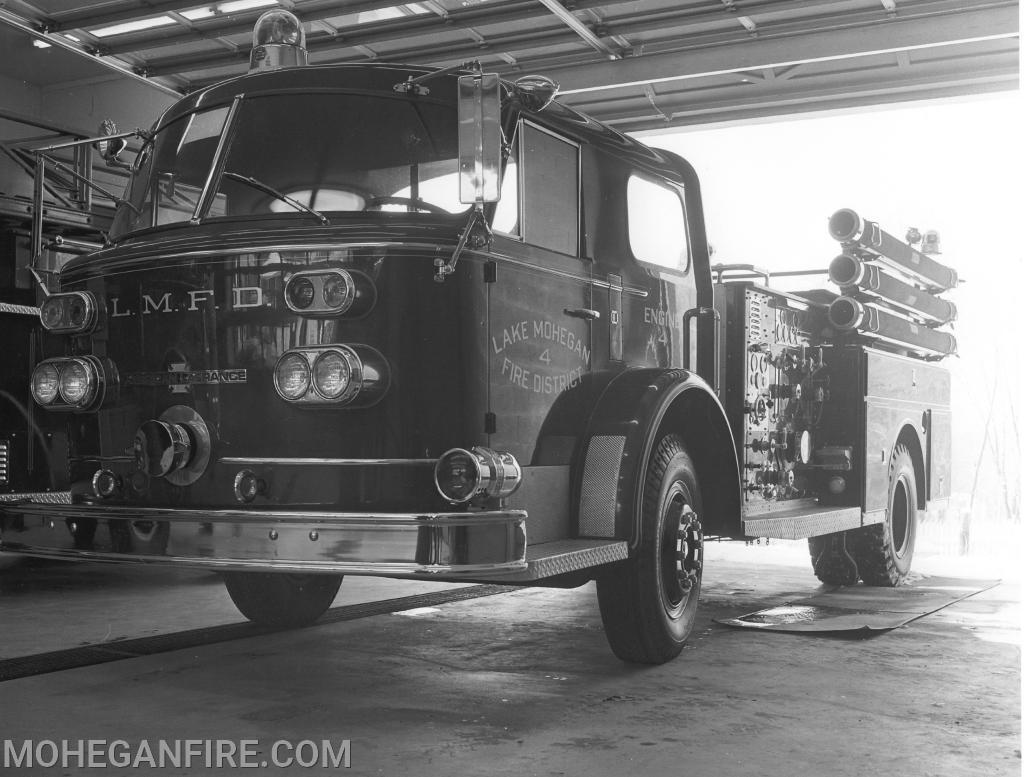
{"x":546,"y":356}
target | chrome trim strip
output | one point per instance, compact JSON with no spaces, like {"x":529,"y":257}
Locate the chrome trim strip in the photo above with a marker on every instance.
{"x":260,"y":247}
{"x":343,"y":567}
{"x":287,"y":462}
{"x":635,"y":291}
{"x":229,"y":252}
{"x":101,"y":459}
{"x":899,"y":402}
{"x":231,"y":515}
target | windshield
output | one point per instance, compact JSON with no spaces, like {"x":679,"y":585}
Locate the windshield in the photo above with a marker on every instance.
{"x":330,"y":152}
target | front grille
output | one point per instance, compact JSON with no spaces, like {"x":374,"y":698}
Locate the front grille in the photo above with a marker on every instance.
{"x":5,"y":457}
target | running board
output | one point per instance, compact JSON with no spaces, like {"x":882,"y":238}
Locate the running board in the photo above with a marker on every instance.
{"x":547,"y":559}
{"x":809,"y":522}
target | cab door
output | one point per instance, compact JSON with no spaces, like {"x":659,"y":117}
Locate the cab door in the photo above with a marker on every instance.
{"x":540,"y":310}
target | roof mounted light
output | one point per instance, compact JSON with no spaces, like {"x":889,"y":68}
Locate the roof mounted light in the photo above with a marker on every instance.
{"x":278,"y":40}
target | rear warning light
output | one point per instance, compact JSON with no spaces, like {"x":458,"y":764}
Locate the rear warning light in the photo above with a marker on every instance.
{"x":70,"y":312}
{"x":332,"y":376}
{"x":70,"y":384}
{"x":330,"y":293}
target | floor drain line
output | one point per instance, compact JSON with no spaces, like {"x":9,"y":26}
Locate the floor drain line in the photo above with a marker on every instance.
{"x":103,"y":653}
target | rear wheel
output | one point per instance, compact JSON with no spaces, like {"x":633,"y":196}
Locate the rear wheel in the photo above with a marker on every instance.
{"x":282,"y":599}
{"x":649,"y":602}
{"x":884,"y":552}
{"x":831,"y":559}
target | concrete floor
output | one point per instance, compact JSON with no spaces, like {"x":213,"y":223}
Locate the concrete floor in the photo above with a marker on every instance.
{"x":524,"y":684}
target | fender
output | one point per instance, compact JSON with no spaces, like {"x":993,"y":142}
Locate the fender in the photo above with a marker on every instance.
{"x":910,"y":435}
{"x":633,"y":412}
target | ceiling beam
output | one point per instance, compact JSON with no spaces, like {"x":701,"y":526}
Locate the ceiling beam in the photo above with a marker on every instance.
{"x":530,"y":37}
{"x":569,"y":19}
{"x":394,"y":29}
{"x":871,"y":92}
{"x":525,"y":12}
{"x":904,"y":33}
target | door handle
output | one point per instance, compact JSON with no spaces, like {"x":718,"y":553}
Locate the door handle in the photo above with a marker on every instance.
{"x":585,"y":313}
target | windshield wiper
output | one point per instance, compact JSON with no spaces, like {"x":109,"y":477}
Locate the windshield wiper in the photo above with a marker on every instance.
{"x":266,"y":189}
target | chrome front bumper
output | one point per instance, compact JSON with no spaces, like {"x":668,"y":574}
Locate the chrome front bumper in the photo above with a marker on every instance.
{"x":474,"y":544}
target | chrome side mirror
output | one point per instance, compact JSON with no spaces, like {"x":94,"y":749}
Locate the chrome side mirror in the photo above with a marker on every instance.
{"x":112,"y":149}
{"x":479,"y":138}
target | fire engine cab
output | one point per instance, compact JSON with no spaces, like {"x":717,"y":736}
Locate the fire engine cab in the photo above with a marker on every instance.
{"x":387,"y":320}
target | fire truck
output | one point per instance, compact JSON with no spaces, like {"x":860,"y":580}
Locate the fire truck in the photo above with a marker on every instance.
{"x":389,"y":320}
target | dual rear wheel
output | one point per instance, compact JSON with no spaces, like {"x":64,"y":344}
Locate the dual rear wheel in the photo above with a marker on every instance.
{"x":880,"y":555}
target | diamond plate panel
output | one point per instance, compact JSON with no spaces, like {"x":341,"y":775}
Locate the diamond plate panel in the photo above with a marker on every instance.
{"x":600,"y":483}
{"x":797,"y":524}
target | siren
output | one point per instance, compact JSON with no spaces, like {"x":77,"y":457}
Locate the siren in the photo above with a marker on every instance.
{"x":278,"y":41}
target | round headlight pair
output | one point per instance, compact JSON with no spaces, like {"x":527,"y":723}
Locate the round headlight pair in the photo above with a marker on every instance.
{"x":330,"y":293}
{"x":73,"y":311}
{"x":72,"y":382}
{"x":336,"y":375}
{"x":330,"y":375}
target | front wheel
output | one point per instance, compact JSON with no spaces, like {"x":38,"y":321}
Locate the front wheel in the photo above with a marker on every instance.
{"x":649,"y":602}
{"x":282,"y":600}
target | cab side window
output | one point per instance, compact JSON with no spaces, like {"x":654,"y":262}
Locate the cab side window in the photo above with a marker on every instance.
{"x":657,"y":223}
{"x":547,"y":171}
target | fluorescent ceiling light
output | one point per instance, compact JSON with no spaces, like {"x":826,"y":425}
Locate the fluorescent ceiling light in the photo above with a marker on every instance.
{"x":382,"y":14}
{"x":133,"y":26}
{"x":40,"y":44}
{"x":243,"y":5}
{"x":75,"y":38}
{"x":198,"y":13}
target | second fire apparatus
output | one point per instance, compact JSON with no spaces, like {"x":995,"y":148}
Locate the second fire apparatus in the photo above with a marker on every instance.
{"x":305,"y":354}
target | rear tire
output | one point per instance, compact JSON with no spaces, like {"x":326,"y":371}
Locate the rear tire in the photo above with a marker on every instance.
{"x":831,"y":559}
{"x":649,"y":602}
{"x":884,"y":551}
{"x":282,"y":600}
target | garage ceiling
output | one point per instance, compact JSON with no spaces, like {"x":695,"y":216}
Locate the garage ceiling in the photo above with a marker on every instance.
{"x":638,"y":64}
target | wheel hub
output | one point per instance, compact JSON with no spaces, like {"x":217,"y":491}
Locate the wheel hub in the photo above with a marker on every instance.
{"x":689,"y":555}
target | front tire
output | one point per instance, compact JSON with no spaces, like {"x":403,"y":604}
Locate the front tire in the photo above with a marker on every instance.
{"x":649,"y":602}
{"x":884,"y":552}
{"x":282,"y":600}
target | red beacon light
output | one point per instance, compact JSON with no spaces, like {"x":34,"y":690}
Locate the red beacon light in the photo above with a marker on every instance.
{"x":278,"y":41}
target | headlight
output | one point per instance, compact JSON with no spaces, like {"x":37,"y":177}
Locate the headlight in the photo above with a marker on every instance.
{"x":75,"y":382}
{"x":339,"y":291}
{"x":353,"y":375}
{"x":72,"y":383}
{"x":70,"y":312}
{"x":291,"y":376}
{"x":300,"y":293}
{"x":461,"y":475}
{"x":332,"y":375}
{"x":45,"y":383}
{"x":332,"y":292}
